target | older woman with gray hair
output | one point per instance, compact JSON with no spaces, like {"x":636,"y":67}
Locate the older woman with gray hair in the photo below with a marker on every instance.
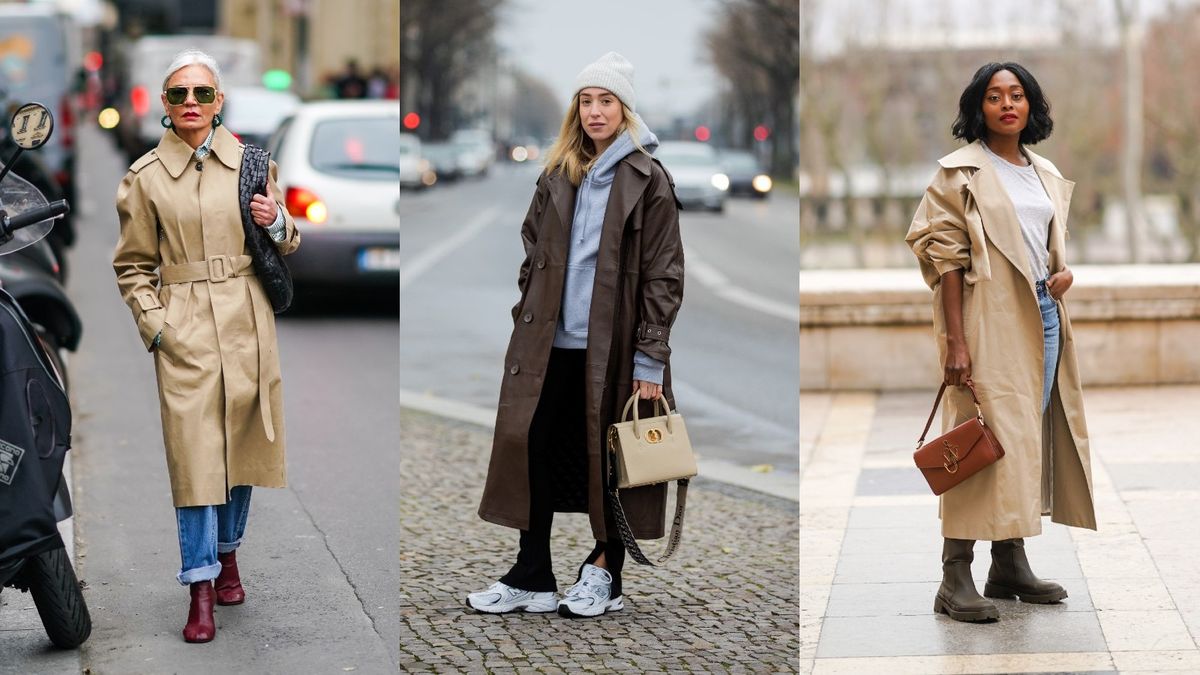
{"x":183,"y":270}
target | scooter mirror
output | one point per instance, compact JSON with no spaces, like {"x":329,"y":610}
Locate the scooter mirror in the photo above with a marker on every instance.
{"x":31,"y":126}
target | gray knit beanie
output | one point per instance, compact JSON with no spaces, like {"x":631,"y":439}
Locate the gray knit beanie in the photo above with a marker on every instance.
{"x":612,"y":72}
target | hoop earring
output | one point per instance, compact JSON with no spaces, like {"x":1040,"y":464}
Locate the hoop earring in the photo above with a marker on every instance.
{"x":217,"y":121}
{"x":166,"y":122}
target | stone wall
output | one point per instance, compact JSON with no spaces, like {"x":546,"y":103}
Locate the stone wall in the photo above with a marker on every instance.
{"x":873,"y":329}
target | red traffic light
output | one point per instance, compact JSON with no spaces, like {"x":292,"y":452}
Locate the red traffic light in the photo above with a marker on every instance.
{"x":93,"y":61}
{"x":761,"y":133}
{"x":412,"y":120}
{"x":702,"y":133}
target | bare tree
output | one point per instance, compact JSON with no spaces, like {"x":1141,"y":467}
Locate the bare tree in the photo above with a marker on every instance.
{"x":445,"y":42}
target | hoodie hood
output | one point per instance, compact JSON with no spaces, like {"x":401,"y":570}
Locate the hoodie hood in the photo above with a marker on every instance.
{"x":604,"y":169}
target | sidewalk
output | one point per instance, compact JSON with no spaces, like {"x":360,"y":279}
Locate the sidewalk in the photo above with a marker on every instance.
{"x":871,"y":544}
{"x":725,"y":603}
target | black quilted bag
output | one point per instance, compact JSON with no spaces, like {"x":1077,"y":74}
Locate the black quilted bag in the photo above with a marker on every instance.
{"x":269,"y":267}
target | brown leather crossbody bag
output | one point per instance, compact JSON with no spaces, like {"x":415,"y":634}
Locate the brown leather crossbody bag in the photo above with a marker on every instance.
{"x":959,"y":453}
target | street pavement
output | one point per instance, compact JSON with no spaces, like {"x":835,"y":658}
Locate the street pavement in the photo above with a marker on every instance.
{"x":726,"y":603}
{"x":319,"y":560}
{"x":870,"y":547}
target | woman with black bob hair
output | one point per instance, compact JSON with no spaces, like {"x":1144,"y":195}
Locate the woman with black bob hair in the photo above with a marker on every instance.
{"x":990,"y":236}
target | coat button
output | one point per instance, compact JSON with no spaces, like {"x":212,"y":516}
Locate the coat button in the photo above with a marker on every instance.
{"x":541,"y":264}
{"x":515,"y":369}
{"x":527,"y":318}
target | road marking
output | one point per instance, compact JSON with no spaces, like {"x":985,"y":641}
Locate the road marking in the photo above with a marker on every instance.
{"x":425,"y":260}
{"x":779,"y":484}
{"x":716,"y":281}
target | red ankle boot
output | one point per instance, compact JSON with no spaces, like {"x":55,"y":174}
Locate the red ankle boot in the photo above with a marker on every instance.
{"x":229,"y":584}
{"x":200,"y":625}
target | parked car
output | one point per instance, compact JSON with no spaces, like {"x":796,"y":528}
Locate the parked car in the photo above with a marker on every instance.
{"x":746,"y":176}
{"x":477,"y":150}
{"x":699,"y":181}
{"x":254,"y":113}
{"x":338,"y":169}
{"x":39,"y":52}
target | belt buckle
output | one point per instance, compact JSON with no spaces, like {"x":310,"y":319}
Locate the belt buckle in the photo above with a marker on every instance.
{"x":222,"y":263}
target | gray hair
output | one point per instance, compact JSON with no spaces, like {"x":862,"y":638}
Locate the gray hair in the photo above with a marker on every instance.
{"x":193,"y":57}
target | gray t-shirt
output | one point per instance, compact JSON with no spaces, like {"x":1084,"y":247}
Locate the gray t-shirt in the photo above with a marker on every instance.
{"x":1033,"y":206}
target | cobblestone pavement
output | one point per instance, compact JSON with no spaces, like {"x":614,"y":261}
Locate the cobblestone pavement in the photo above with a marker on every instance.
{"x":727,"y":603}
{"x":870,"y":547}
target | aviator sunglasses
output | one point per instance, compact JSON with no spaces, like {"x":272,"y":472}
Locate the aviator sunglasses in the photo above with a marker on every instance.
{"x":204,"y":94}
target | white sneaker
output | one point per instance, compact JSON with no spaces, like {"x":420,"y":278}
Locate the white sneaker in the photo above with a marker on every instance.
{"x":501,"y":598}
{"x":590,"y":595}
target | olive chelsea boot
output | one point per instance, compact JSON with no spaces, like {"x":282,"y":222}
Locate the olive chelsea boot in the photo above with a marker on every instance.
{"x":957,"y":597}
{"x":1010,"y":576}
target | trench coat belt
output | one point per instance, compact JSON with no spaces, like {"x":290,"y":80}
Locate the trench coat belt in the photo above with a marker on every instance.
{"x":216,"y":268}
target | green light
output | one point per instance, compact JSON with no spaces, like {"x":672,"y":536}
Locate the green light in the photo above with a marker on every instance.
{"x":277,"y":79}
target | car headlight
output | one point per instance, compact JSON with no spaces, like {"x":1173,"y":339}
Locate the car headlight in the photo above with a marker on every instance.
{"x":762,"y":183}
{"x":720,"y":181}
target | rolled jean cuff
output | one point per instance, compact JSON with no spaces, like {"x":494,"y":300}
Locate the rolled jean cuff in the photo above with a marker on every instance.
{"x":206,"y":573}
{"x":222,"y":547}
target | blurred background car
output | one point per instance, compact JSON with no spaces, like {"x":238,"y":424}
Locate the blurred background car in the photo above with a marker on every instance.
{"x":446,"y":159}
{"x":339,"y":172}
{"x":415,"y":170}
{"x":699,"y":180}
{"x":746,"y":175}
{"x":254,"y":113}
{"x":38,"y":52}
{"x":477,"y":151}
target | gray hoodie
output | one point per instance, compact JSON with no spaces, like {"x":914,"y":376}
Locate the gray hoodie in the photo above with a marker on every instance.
{"x":591,"y":200}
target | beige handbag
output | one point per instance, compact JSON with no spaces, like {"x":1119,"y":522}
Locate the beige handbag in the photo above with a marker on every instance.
{"x":647,"y":452}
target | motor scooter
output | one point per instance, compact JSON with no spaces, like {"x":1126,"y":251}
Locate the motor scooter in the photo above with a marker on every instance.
{"x":35,"y":419}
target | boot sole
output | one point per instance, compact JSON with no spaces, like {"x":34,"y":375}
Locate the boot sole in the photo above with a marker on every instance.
{"x":230,"y":604}
{"x":1000,"y":592}
{"x":940,"y":606}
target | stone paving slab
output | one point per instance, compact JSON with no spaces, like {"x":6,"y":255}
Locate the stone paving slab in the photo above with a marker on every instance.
{"x":870,"y":548}
{"x":726,"y":603}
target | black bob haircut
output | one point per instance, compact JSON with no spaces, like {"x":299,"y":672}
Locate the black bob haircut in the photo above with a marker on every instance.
{"x":970,"y":124}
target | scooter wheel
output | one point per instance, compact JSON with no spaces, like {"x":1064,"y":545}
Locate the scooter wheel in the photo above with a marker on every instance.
{"x":58,"y":599}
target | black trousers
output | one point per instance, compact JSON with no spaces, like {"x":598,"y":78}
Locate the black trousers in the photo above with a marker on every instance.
{"x":558,"y":476}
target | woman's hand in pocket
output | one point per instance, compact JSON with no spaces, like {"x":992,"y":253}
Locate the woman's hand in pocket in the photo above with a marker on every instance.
{"x":1058,"y":284}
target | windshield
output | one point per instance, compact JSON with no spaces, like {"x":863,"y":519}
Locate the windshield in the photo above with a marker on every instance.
{"x":686,"y":155}
{"x":739,"y":162}
{"x":257,"y":112}
{"x":359,"y":147}
{"x":17,"y":196}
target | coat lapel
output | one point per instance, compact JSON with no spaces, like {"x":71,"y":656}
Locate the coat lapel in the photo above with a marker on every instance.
{"x":1059,"y":190}
{"x":174,"y":153}
{"x":562,"y":194}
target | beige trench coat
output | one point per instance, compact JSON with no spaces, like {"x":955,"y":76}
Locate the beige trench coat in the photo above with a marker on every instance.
{"x":219,"y":385}
{"x":966,"y":220}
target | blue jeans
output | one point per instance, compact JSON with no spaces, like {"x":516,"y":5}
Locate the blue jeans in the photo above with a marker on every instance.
{"x":1050,"y":335}
{"x":205,"y":531}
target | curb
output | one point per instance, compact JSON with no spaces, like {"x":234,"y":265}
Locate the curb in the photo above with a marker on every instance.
{"x":781,"y":485}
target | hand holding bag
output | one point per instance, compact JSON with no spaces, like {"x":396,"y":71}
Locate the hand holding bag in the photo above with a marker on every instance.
{"x":959,"y":453}
{"x":647,"y":452}
{"x":269,"y":267}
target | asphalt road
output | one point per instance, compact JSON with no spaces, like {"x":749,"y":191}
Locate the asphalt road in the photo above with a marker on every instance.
{"x":734,"y":346}
{"x":319,"y":560}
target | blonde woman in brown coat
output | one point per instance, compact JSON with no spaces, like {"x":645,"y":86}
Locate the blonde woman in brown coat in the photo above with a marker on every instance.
{"x":182,"y":269}
{"x":601,"y":285}
{"x":990,"y":237}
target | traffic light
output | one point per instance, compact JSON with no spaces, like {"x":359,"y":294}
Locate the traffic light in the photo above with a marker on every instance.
{"x":761,"y":133}
{"x":702,"y":133}
{"x":412,"y":120}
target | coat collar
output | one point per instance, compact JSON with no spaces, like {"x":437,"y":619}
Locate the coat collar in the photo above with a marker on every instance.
{"x":621,"y":200}
{"x":176,"y":154}
{"x":996,"y":209}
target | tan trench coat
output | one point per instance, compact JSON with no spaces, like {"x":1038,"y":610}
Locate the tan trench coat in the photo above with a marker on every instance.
{"x":219,"y":384}
{"x":636,"y":297}
{"x":966,"y":220}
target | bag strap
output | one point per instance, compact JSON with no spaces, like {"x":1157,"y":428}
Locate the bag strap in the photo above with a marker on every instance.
{"x":974,"y":396}
{"x":627,"y":537}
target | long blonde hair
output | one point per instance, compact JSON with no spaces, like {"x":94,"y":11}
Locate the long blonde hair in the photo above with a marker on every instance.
{"x":574,"y":153}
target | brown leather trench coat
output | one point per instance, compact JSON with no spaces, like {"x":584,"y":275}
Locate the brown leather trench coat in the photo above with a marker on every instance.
{"x":967,"y":221}
{"x":219,"y":384}
{"x":636,"y":296}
